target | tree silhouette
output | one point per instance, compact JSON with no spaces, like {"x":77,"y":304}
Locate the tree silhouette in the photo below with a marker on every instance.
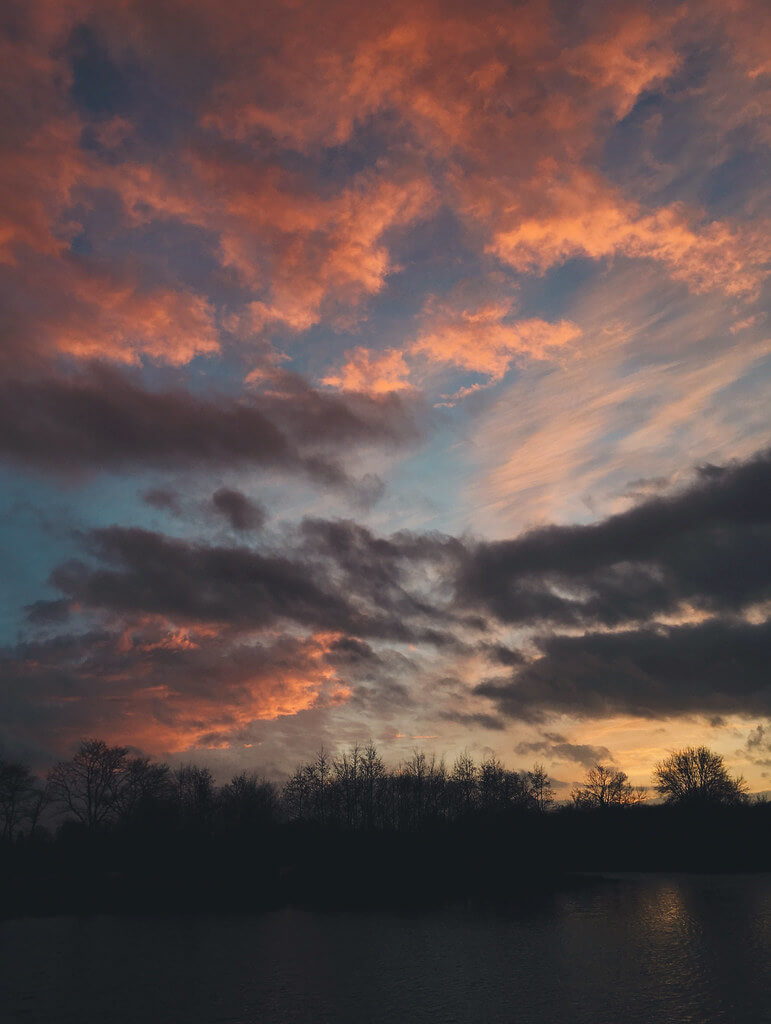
{"x":248,"y":803}
{"x":21,"y":798}
{"x":195,"y":794}
{"x":540,"y":791}
{"x":140,"y":785}
{"x":464,"y":782}
{"x":697,"y":775}
{"x":607,"y":787}
{"x":88,"y":786}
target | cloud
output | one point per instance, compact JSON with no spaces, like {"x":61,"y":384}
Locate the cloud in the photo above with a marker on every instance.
{"x":655,"y":379}
{"x":705,"y":547}
{"x":496,"y":112}
{"x":629,"y":55}
{"x":579,"y":214}
{"x":242,"y":196}
{"x":408,"y":575}
{"x":162,"y":498}
{"x":758,"y":746}
{"x":146,"y":573}
{"x":241,"y":512}
{"x":333,"y":576}
{"x":556,"y":747}
{"x":160,"y":689}
{"x":100,"y":418}
{"x":472,"y":719}
{"x":304,"y":253}
{"x":162,"y":606}
{"x":487,"y":339}
{"x":373,"y":372}
{"x":716,"y":667}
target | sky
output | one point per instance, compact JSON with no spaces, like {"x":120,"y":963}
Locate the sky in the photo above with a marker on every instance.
{"x":394,"y":371}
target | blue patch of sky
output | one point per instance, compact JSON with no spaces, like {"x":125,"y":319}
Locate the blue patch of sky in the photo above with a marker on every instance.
{"x":743,"y":403}
{"x":99,"y":85}
{"x":37,"y":520}
{"x":103,"y":88}
{"x":725,"y":188}
{"x":668,"y":152}
{"x":552,"y":295}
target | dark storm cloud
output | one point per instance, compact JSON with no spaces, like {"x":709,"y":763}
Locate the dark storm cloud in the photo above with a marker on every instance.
{"x":146,"y":572}
{"x":716,"y":667}
{"x":102,"y":418}
{"x":357,"y":548}
{"x":709,"y":545}
{"x":557,"y":748}
{"x":503,"y":655}
{"x":241,"y":512}
{"x":48,"y":612}
{"x":140,"y":572}
{"x":384,"y":561}
{"x":330,"y":418}
{"x":474,"y":719}
{"x":353,"y":590}
{"x":348,"y":650}
{"x":162,"y":498}
{"x":410,"y":574}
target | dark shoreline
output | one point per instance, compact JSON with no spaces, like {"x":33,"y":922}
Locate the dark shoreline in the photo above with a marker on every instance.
{"x":519,"y":859}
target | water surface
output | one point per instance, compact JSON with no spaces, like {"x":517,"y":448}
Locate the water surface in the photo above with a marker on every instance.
{"x":642,"y":949}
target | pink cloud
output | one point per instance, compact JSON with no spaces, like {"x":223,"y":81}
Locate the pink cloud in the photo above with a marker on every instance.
{"x":369,"y":371}
{"x":487,"y":338}
{"x":581,"y":215}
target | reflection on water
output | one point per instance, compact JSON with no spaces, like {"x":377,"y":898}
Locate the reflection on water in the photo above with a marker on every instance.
{"x":642,"y":949}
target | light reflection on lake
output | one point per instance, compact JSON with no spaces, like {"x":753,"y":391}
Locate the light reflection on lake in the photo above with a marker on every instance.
{"x":644,"y":949}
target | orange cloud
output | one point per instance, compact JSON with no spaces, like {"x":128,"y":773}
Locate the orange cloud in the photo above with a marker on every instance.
{"x":321,"y":250}
{"x":40,"y":160}
{"x":635,"y":53}
{"x":373,"y":372}
{"x":486,"y":340}
{"x":166,"y":688}
{"x":308,"y":254}
{"x":89,"y":311}
{"x":497,"y":111}
{"x":580,"y":215}
{"x":115,"y":320}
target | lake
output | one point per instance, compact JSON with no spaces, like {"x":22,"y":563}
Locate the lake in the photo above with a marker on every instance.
{"x":628,"y":949}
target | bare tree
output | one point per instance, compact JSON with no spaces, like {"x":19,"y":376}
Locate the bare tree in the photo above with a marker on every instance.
{"x":88,"y":786}
{"x":319,"y":774}
{"x":372,"y":774}
{"x":500,"y":788}
{"x":21,"y":798}
{"x":607,"y":787}
{"x":142,"y":782}
{"x":306,"y":794}
{"x":248,"y":802}
{"x":697,"y":775}
{"x":540,"y":791}
{"x":196,"y":794}
{"x":348,"y":780}
{"x":464,"y":781}
{"x":296,"y":794}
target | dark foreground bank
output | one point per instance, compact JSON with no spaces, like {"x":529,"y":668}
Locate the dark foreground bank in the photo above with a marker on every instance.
{"x":161,"y":865}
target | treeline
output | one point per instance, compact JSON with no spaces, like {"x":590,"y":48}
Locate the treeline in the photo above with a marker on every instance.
{"x":103,"y":786}
{"x":108,"y":830}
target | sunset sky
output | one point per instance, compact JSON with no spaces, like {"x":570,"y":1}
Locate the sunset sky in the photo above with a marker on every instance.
{"x":394,"y":370}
